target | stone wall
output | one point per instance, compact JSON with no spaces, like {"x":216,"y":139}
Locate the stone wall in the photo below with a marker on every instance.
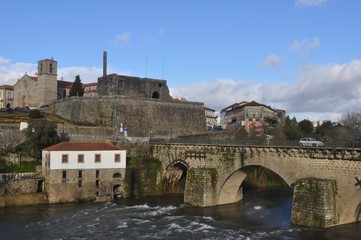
{"x":200,"y":187}
{"x":115,"y":85}
{"x":142,"y":117}
{"x":89,"y":185}
{"x":18,"y":187}
{"x":314,"y":203}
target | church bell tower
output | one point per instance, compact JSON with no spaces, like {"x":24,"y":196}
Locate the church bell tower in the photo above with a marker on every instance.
{"x":47,"y":81}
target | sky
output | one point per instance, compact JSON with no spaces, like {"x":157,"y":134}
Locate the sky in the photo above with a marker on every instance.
{"x":302,"y":56}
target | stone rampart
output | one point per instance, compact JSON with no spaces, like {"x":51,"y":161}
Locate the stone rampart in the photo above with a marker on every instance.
{"x":140,"y":116}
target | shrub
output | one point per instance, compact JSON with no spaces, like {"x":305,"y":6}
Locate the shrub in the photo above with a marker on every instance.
{"x":35,"y":113}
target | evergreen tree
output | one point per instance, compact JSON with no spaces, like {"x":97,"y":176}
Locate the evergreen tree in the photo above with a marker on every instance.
{"x":39,"y":134}
{"x":77,"y":89}
{"x":291,"y":129}
{"x":306,"y":127}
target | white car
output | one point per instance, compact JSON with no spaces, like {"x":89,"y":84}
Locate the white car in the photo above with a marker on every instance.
{"x":310,"y":142}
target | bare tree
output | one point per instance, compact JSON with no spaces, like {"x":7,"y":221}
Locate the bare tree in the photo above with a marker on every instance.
{"x":9,"y":140}
{"x":352,"y":121}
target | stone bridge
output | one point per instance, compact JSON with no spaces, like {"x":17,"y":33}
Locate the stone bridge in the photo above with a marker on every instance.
{"x":325,"y":191}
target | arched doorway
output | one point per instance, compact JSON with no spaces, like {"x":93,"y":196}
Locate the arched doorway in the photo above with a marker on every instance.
{"x":155,"y":94}
{"x":118,"y":191}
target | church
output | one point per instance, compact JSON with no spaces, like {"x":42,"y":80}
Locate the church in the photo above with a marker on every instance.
{"x":44,"y":88}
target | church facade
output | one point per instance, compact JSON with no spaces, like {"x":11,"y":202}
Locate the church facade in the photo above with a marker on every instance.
{"x":34,"y":91}
{"x":44,"y":88}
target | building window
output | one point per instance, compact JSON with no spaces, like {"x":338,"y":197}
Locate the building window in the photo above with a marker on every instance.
{"x":51,"y":68}
{"x":80,"y":183}
{"x":97,"y":183}
{"x":64,"y":158}
{"x":64,"y":176}
{"x":80,"y":158}
{"x":97,"y":158}
{"x":97,"y":173}
{"x":117,"y":158}
{"x":80,"y":174}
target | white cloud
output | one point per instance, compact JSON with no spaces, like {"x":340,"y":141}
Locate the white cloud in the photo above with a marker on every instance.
{"x":309,"y":3}
{"x":87,"y":74}
{"x":11,"y":72}
{"x":122,"y":38}
{"x":305,"y":47}
{"x":321,"y":92}
{"x":272,"y":61}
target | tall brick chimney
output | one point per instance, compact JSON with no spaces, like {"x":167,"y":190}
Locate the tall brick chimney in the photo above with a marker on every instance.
{"x":104,"y":63}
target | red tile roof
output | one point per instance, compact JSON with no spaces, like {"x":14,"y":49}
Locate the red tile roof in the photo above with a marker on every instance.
{"x":82,"y":146}
{"x":64,"y":84}
{"x":8,"y":87}
{"x":90,"y":84}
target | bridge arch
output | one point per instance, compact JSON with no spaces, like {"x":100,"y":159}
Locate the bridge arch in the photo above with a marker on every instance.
{"x":175,"y":176}
{"x":231,"y":190}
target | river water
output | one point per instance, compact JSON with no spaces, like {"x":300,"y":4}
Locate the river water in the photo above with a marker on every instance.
{"x":262,"y":214}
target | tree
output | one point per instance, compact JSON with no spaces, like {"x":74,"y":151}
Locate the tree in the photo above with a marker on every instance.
{"x":352,"y":121}
{"x":77,"y":89}
{"x":8,"y":141}
{"x":306,"y":127}
{"x":291,"y":129}
{"x":39,"y":134}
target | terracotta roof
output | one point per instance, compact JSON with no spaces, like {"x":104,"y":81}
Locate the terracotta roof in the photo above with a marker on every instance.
{"x":34,"y":78}
{"x":64,"y":84}
{"x":93,"y":90}
{"x":82,"y":146}
{"x":90,"y":84}
{"x":9,"y":87}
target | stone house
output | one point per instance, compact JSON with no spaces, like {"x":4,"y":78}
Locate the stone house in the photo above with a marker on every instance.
{"x":251,"y":116}
{"x":75,"y":171}
{"x":6,"y":96}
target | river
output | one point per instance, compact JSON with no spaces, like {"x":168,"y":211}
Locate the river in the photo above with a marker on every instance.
{"x":262,"y":214}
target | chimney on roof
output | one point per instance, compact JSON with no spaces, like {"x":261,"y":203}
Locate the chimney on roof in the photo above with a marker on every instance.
{"x":104,"y":64}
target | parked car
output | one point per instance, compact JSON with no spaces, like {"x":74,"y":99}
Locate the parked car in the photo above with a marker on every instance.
{"x":355,"y":143}
{"x":310,"y":142}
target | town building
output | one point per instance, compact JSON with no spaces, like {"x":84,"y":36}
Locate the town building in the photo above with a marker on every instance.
{"x":251,"y":116}
{"x":6,"y":96}
{"x":210,"y":117}
{"x":76,"y":171}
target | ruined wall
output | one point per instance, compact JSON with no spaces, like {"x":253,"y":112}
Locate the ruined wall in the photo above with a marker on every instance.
{"x":141,"y":117}
{"x":114,"y":84}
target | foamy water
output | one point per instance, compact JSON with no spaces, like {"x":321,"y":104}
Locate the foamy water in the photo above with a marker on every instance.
{"x":255,"y":217}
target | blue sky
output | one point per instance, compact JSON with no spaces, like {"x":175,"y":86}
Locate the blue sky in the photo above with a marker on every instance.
{"x":303,"y":56}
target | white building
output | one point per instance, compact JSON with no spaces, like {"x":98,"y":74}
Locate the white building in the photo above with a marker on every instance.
{"x":75,"y":171}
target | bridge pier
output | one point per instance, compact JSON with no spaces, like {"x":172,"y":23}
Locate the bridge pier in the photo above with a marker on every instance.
{"x":200,"y":187}
{"x":314,"y":203}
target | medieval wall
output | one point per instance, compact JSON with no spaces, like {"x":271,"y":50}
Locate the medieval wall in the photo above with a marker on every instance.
{"x":141,"y":117}
{"x":114,"y":84}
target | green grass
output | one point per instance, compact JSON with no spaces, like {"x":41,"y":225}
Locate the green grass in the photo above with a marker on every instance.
{"x":24,"y":167}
